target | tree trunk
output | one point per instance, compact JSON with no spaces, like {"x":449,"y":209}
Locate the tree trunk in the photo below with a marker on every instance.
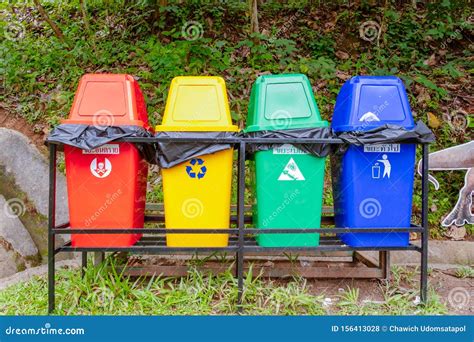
{"x":56,"y":29}
{"x":254,"y":28}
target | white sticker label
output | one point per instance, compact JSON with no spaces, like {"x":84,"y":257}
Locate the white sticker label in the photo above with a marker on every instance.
{"x":104,"y":149}
{"x":380,"y":164}
{"x":291,"y":172}
{"x":101,"y":167}
{"x":382,"y":148}
{"x":287,"y":149}
{"x":369,"y":117}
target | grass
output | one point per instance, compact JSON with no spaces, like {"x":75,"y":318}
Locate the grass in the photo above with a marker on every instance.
{"x":400,"y":297}
{"x":103,"y":292}
{"x":465,"y":272}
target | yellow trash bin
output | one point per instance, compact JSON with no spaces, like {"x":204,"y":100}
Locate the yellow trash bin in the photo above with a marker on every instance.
{"x":197,"y":192}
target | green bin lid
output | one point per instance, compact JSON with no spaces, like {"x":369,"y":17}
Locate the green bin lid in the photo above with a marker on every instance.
{"x":279,"y":102}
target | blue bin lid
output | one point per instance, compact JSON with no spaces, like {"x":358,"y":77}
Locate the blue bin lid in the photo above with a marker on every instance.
{"x":367,"y":102}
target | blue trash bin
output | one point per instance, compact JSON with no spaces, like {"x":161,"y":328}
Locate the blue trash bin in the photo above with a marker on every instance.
{"x":373,"y":184}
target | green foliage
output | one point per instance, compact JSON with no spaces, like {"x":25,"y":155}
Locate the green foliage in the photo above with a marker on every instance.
{"x":465,"y":272}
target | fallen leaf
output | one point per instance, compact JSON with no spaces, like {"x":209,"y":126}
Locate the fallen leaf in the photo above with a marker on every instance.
{"x":342,"y":55}
{"x":431,"y":60}
{"x":423,"y":97}
{"x":342,"y":75}
{"x":433,"y":120}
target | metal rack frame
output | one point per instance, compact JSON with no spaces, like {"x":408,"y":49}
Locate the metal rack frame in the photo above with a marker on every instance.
{"x":240,"y":247}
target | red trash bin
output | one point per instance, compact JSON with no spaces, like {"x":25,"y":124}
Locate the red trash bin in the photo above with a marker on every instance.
{"x":107,"y":185}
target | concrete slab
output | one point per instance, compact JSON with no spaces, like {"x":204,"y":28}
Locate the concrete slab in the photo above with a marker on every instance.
{"x":13,"y":231}
{"x":26,"y":164}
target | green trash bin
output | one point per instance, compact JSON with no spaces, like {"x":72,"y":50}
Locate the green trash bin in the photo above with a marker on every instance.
{"x":288,"y":182}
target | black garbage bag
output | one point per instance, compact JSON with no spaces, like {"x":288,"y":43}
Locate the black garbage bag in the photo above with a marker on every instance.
{"x":87,"y":137}
{"x":169,"y":154}
{"x":386,"y":134}
{"x":319,"y":150}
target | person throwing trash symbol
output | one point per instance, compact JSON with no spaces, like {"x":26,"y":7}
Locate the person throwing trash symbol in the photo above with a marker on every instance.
{"x":387,"y":167}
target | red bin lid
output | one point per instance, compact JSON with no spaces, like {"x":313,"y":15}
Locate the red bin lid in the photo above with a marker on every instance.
{"x":108,"y":100}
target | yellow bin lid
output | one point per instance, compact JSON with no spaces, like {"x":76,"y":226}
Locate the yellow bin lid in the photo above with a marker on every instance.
{"x":197,"y":103}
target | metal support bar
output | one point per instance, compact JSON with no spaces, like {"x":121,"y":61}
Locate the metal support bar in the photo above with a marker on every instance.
{"x":225,"y":141}
{"x":51,"y":225}
{"x":99,"y":258}
{"x":425,"y":234}
{"x":384,"y":264}
{"x":83,"y":264}
{"x":240,"y":225}
{"x":322,"y":231}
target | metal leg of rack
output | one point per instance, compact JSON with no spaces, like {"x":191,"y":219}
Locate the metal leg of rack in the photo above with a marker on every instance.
{"x":240,"y":224}
{"x":51,"y":225}
{"x":98,"y":258}
{"x":384,"y":264}
{"x":425,"y":233}
{"x":83,"y":264}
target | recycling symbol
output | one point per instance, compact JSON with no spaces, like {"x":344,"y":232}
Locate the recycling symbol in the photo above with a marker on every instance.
{"x":196,"y":169}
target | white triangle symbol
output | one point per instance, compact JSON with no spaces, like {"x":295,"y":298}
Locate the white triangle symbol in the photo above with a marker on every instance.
{"x":291,"y":172}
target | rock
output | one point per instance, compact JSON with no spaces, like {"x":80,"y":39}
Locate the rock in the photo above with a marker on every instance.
{"x":24,"y":179}
{"x":14,"y":233}
{"x":29,"y":168}
{"x":8,"y":264}
{"x":456,"y":233}
{"x":443,"y":253}
{"x":28,"y":274}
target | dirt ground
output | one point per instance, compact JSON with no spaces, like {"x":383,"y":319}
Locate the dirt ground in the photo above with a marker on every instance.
{"x":36,"y":133}
{"x":456,"y":293}
{"x":452,"y":290}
